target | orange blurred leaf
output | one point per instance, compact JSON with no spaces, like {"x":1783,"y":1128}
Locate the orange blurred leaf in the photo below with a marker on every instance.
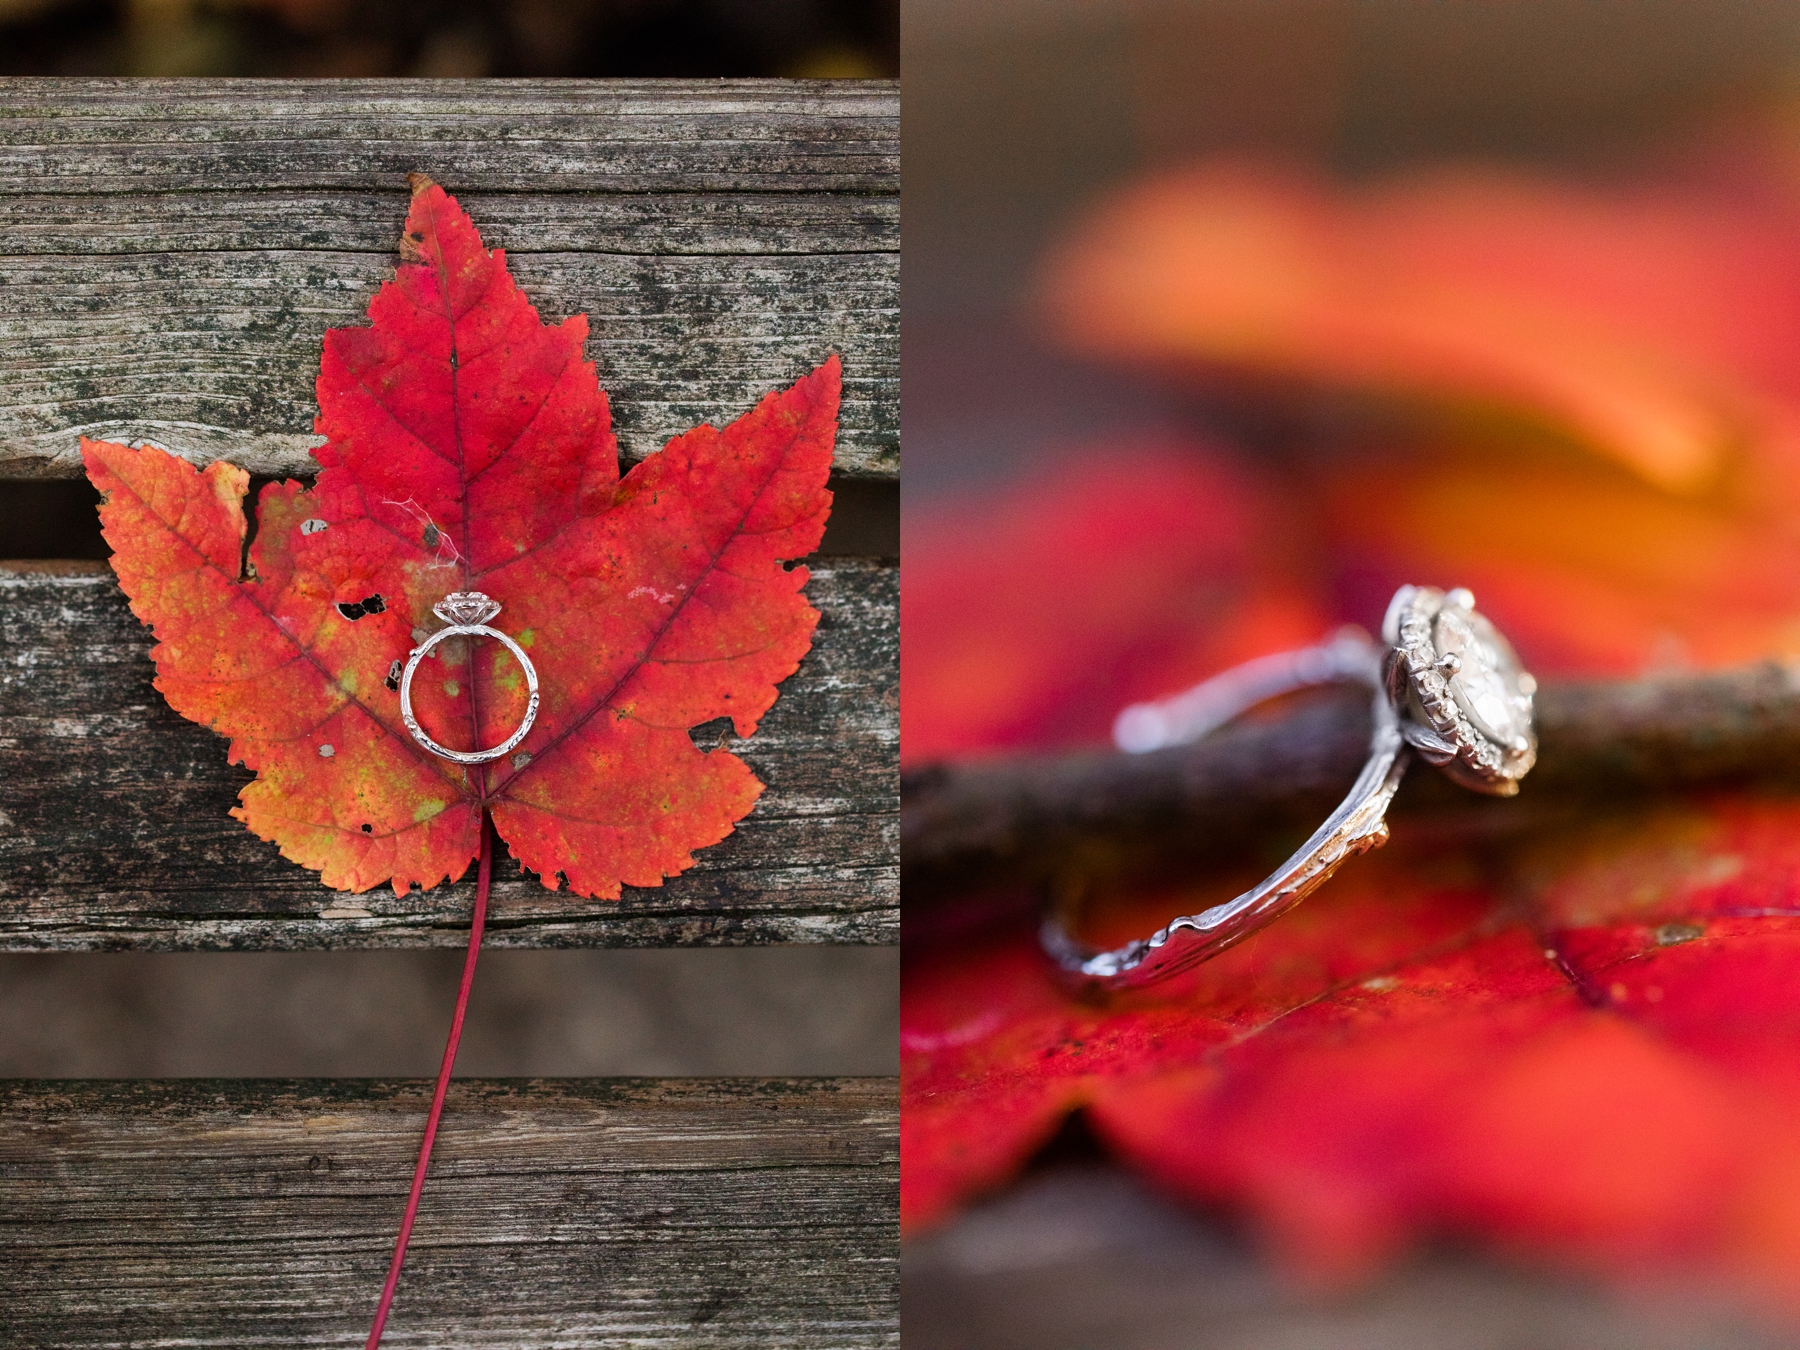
{"x":1655,"y":328}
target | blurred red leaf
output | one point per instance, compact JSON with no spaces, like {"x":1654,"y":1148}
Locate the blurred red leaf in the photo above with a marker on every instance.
{"x":1581,"y":1045}
{"x":469,"y":447}
{"x":1030,"y":616}
{"x":1409,"y":1055}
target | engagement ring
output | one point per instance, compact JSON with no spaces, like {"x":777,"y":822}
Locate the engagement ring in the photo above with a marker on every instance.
{"x":1448,"y":687}
{"x":467,"y":613}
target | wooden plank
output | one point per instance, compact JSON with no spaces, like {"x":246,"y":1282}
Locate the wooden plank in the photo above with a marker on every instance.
{"x":172,"y":251}
{"x":114,"y":833}
{"x":575,"y":1213}
{"x":118,"y":135}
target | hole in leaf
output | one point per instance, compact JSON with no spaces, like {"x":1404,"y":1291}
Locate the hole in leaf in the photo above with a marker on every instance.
{"x":393,"y":677}
{"x":312,"y":526}
{"x":355,"y":609}
{"x":368,"y":828}
{"x":711,"y":735}
{"x":260,"y":484}
{"x":864,"y":520}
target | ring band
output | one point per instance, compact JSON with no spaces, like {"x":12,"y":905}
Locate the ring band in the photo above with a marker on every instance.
{"x":466,"y":613}
{"x":1447,"y":686}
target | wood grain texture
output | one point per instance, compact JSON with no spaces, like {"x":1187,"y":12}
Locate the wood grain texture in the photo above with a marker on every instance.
{"x":574,"y":1213}
{"x":114,"y":833}
{"x":172,"y":251}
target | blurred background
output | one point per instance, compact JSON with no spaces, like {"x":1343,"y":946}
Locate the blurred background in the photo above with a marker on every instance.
{"x":1020,"y":115}
{"x":1027,"y":122}
{"x":810,"y":39}
{"x":272,"y":1014}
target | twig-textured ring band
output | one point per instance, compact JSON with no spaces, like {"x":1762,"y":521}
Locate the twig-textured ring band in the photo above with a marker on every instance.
{"x":467,"y":613}
{"x":1446,"y":684}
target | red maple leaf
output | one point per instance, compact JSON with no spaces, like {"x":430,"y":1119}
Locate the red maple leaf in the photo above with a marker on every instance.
{"x":469,"y":448}
{"x":1580,"y":1042}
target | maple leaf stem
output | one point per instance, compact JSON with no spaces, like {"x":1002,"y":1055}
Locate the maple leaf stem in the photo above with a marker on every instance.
{"x":476,"y":924}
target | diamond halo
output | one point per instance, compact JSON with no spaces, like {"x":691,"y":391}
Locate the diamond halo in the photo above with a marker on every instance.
{"x":1465,"y":700}
{"x":466,"y":608}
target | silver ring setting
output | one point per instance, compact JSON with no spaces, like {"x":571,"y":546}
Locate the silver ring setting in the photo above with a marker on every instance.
{"x":1447,"y":685}
{"x":467,"y":614}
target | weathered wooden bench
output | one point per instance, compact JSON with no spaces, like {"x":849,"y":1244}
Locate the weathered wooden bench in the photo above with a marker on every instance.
{"x":170,"y":254}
